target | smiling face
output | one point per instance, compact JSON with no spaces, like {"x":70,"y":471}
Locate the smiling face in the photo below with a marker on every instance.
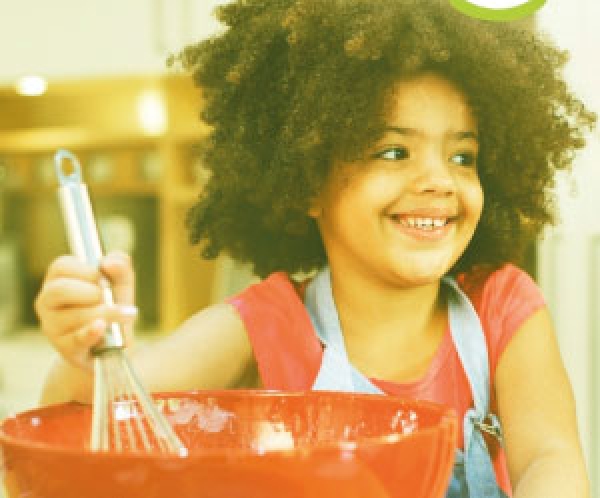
{"x":406,"y":212}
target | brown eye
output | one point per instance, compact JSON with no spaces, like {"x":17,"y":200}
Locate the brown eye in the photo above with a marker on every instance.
{"x":465,"y":159}
{"x":392,"y":154}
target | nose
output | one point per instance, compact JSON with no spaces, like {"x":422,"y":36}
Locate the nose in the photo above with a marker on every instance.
{"x":434,"y":176}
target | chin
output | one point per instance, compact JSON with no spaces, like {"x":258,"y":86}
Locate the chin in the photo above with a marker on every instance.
{"x":423,"y":273}
{"x":421,"y":279}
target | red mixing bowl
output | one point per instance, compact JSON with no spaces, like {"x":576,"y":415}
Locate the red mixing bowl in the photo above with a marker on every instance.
{"x":242,"y":444}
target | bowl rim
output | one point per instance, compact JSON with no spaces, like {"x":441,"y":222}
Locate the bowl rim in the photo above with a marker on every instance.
{"x":448,"y":423}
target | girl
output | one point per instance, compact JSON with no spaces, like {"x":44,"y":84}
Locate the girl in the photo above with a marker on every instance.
{"x":404,"y":153}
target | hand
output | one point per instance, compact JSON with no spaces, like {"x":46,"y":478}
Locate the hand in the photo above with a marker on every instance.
{"x":71,"y":309}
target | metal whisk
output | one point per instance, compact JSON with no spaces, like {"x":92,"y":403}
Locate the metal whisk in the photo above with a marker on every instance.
{"x":124,"y":417}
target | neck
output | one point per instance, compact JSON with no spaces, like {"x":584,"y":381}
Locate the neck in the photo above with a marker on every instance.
{"x":371,"y":310}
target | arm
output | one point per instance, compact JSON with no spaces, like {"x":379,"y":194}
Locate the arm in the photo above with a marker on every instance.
{"x":537,"y":410}
{"x":211,"y":350}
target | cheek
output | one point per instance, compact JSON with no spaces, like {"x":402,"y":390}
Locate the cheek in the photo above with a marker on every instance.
{"x":363,"y":193}
{"x":473,"y":200}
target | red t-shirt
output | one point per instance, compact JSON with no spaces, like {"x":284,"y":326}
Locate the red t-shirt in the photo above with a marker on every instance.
{"x":289,"y":353}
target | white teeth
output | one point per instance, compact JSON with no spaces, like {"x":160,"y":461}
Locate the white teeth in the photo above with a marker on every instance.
{"x":422,"y":223}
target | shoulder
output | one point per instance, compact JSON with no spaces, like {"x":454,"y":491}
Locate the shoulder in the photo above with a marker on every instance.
{"x":272,"y":305}
{"x":285,"y":347}
{"x":504,"y":299}
{"x":506,"y":286}
{"x":276,"y":291}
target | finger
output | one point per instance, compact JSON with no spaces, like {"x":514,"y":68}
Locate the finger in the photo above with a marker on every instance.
{"x":76,"y":347}
{"x":68,"y":292}
{"x":89,"y":335}
{"x":66,"y":321}
{"x":71,"y":267}
{"x":118,"y":268}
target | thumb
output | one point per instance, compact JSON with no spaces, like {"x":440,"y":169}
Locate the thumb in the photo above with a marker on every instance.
{"x":117,"y":267}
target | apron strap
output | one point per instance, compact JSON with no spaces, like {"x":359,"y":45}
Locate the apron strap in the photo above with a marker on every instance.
{"x":336,"y":372}
{"x":469,"y":340}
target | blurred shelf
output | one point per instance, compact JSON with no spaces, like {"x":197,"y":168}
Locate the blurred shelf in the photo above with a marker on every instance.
{"x":154,"y":176}
{"x":29,"y":141}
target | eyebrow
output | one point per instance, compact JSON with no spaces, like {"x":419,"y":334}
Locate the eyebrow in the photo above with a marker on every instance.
{"x":457,"y":135}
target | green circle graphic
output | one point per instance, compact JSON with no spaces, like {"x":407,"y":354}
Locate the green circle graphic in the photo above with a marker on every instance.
{"x":488,"y":14}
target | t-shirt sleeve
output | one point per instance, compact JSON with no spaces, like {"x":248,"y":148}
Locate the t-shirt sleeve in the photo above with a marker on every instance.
{"x":509,"y":297}
{"x":286,"y":349}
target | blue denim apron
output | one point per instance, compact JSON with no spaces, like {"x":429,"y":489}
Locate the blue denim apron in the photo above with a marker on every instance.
{"x":473,"y":475}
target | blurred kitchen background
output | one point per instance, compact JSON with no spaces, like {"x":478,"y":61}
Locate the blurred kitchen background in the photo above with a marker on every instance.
{"x":107,"y":95}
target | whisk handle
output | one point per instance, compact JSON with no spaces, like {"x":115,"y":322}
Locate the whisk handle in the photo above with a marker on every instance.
{"x":82,"y":232}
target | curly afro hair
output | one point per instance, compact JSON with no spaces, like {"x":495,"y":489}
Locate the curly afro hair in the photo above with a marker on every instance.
{"x":292,"y":85}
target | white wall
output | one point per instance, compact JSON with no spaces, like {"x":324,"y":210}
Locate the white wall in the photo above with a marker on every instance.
{"x":81,"y":38}
{"x":570,"y":254}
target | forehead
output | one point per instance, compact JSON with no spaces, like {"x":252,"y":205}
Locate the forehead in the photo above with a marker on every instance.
{"x":428,"y":101}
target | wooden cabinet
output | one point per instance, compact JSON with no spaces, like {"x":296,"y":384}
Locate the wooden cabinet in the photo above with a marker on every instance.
{"x":141,"y":186}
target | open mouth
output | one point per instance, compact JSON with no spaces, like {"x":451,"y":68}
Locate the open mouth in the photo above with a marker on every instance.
{"x":420,"y":222}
